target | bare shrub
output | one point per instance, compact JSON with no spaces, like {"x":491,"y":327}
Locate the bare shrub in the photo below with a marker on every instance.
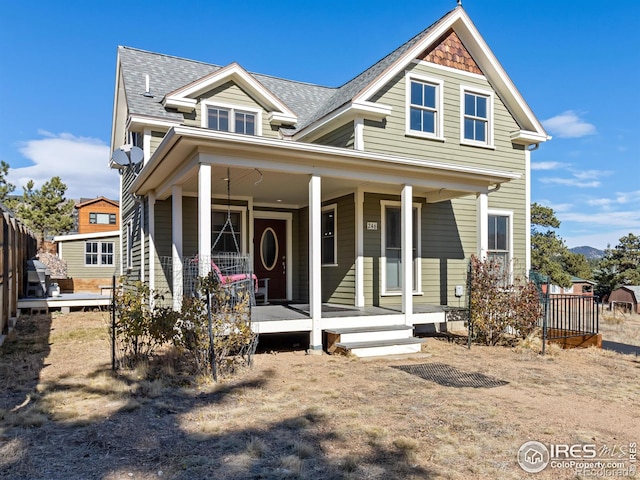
{"x":500,"y":306}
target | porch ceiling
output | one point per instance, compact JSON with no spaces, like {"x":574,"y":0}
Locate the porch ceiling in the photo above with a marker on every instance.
{"x":277,"y":171}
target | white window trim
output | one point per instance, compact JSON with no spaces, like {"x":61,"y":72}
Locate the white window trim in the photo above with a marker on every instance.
{"x":100,"y":264}
{"x":243,"y":222}
{"x":509,"y":214}
{"x":490,"y":121}
{"x":334,"y":207}
{"x":439,"y":84}
{"x":417,"y":263}
{"x":204,"y":114}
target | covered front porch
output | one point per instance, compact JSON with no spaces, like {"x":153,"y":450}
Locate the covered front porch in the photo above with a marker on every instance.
{"x":345,"y":235}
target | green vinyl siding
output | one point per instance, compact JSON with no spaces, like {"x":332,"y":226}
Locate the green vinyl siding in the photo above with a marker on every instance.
{"x":449,"y":228}
{"x":231,"y":94}
{"x":162,"y":239}
{"x":389,"y":136}
{"x":338,"y":281}
{"x":154,"y":141}
{"x":131,"y":215}
{"x":340,"y":137}
{"x":447,"y":240}
{"x":301,"y":283}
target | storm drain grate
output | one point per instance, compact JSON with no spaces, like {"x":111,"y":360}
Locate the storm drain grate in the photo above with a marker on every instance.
{"x":449,"y":376}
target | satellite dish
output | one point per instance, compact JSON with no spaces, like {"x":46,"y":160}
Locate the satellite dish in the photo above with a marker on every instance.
{"x":120,"y":157}
{"x":136,"y":155}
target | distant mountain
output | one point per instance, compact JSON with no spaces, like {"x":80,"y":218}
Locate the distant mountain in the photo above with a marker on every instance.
{"x":589,"y":252}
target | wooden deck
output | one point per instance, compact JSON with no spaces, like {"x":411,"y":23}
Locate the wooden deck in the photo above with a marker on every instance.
{"x":64,"y":302}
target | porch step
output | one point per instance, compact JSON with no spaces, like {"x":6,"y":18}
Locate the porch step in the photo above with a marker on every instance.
{"x":368,"y":334}
{"x":381,"y":347}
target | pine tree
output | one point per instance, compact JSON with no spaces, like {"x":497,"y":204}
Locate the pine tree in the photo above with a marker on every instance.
{"x":620,"y":265}
{"x":547,"y":249}
{"x":6,"y":188}
{"x":46,"y":211}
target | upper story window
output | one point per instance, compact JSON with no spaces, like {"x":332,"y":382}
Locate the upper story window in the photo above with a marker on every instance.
{"x":218,"y":119}
{"x":476,"y":118}
{"x":231,"y":118}
{"x":102,"y":218}
{"x":424,"y":107}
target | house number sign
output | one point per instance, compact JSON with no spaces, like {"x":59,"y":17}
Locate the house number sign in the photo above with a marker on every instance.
{"x":372,"y":225}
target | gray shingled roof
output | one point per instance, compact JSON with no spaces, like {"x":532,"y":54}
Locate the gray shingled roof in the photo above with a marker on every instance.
{"x":309,"y":102}
{"x":167,"y":73}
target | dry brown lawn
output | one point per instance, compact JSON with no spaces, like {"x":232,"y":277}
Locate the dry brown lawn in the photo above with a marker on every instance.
{"x":63,"y":415}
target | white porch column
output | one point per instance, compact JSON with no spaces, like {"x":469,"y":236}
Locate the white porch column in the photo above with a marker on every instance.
{"x":482,"y":209}
{"x":152,"y":244}
{"x":176,"y":244}
{"x":406,"y":240}
{"x":359,"y":199}
{"x":315,"y":262}
{"x":204,"y":219}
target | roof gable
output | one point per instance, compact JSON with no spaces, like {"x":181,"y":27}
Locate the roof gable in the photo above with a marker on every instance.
{"x":454,"y":31}
{"x":449,"y":51}
{"x":84,"y":202}
{"x":183,"y":99}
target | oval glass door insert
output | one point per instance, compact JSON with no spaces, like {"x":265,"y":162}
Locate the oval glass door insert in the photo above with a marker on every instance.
{"x":269,"y":249}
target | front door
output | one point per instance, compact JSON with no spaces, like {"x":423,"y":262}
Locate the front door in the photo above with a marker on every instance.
{"x":269,"y":252}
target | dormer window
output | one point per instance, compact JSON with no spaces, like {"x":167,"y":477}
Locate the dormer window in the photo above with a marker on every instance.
{"x":424,"y":107}
{"x":218,"y":119}
{"x":230,"y":118}
{"x":245,"y":123}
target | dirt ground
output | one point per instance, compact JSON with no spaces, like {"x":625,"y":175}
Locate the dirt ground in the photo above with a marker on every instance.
{"x":63,"y":415}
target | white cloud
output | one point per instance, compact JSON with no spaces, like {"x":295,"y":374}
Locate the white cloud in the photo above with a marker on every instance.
{"x":570,"y":182}
{"x":81,"y":163}
{"x":628,"y":197}
{"x":548,"y":165}
{"x":569,"y":125}
{"x":597,"y":229}
{"x":620,"y":198}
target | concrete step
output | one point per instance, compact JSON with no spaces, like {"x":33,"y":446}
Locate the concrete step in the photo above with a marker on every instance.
{"x":368,"y":334}
{"x":381,"y":347}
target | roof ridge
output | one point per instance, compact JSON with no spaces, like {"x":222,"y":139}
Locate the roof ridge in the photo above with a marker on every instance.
{"x":275,"y":77}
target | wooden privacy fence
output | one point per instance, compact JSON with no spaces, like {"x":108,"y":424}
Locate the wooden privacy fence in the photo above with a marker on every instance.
{"x":17,"y":245}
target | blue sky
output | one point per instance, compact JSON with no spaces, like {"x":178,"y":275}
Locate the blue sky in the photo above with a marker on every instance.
{"x":577,"y":63}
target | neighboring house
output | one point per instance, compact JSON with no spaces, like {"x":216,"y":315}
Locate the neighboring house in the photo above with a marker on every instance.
{"x":98,"y":215}
{"x":579,"y":286}
{"x":92,"y":259}
{"x":371,"y":195}
{"x":627,"y":297}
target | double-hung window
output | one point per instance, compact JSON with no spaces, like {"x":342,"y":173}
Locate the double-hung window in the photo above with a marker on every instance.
{"x":329,"y":237}
{"x":222,"y":238}
{"x":424,"y":107}
{"x":392,"y":248}
{"x":230,"y":118}
{"x":98,"y":253}
{"x":476,"y":118}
